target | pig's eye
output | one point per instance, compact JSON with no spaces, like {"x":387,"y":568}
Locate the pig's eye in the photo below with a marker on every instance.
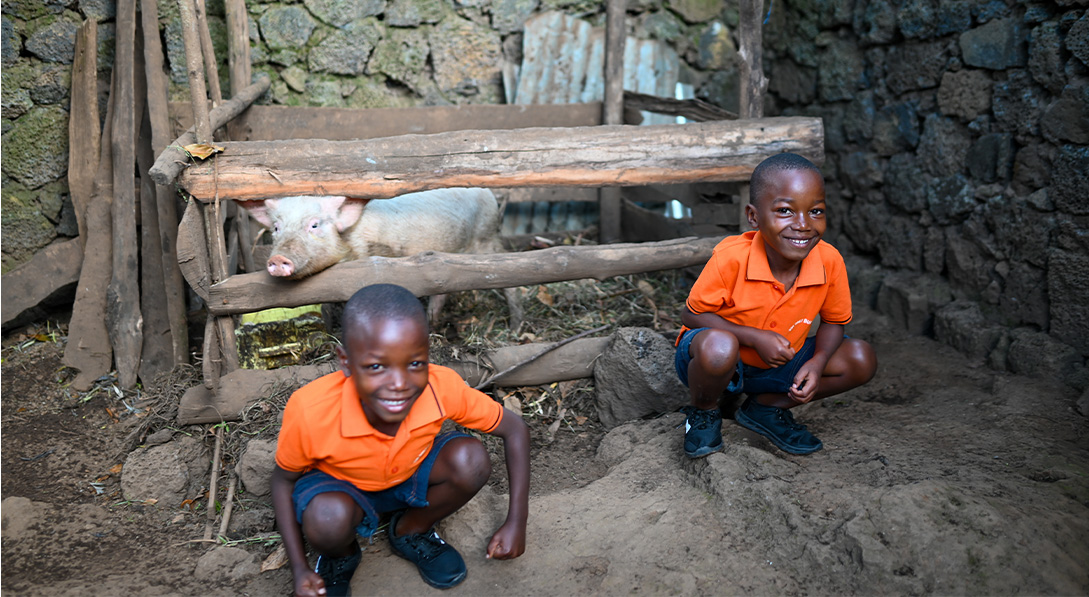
{"x":314,"y":224}
{"x":276,"y":227}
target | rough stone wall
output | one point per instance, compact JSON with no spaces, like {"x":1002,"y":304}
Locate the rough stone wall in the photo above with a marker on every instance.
{"x":957,"y":163}
{"x":342,"y":53}
{"x":956,"y":130}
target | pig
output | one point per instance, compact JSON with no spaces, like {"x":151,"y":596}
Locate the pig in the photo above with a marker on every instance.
{"x":310,"y":234}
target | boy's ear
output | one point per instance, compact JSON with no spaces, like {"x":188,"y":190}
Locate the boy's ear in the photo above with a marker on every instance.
{"x":342,"y":358}
{"x":750,"y":214}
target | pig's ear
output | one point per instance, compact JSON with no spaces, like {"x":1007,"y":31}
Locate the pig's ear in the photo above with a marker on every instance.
{"x":350,"y":212}
{"x":259,"y":210}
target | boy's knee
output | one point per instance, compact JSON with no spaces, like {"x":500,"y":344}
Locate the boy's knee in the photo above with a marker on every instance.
{"x":716,"y":351}
{"x":329,"y":520}
{"x":468,"y":462}
{"x":863,"y":359}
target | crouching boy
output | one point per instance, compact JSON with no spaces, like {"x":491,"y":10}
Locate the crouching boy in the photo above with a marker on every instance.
{"x":747,"y":318}
{"x":366,"y":440}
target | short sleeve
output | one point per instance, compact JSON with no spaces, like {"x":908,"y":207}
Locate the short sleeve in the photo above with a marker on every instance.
{"x":293,"y":445}
{"x":836,"y":309}
{"x":711,"y":292}
{"x":468,"y":407}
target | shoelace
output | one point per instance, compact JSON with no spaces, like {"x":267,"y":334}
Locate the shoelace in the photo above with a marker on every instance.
{"x":788,"y":418}
{"x":428,"y":545}
{"x":699,"y":418}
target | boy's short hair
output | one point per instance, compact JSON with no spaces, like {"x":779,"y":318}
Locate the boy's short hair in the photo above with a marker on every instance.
{"x":779,"y":162}
{"x":382,"y":301}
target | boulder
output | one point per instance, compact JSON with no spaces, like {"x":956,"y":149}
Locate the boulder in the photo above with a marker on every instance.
{"x":965,"y":93}
{"x":962,"y":325}
{"x":255,"y":466}
{"x":169,"y":473}
{"x":635,"y":377}
{"x":911,"y":299}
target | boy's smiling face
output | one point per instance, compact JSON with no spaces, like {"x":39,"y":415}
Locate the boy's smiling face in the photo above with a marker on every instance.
{"x":387,"y":362}
{"x":790,"y":215}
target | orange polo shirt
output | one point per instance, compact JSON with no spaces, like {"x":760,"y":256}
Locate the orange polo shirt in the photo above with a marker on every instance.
{"x":324,"y":428}
{"x":737,"y":285}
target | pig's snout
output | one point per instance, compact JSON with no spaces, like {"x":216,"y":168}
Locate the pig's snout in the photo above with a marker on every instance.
{"x":280,"y":266}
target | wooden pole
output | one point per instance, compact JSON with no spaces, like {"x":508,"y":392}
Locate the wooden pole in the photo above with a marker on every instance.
{"x":428,"y":274}
{"x":211,"y":68}
{"x":618,"y":155}
{"x":84,"y":130}
{"x":123,"y":296}
{"x":613,"y":110}
{"x":238,"y":62}
{"x":753,"y":83}
{"x":195,"y":68}
{"x":165,"y":196}
{"x":173,"y":159}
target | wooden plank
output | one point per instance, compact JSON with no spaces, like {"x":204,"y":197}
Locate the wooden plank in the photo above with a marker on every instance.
{"x":618,"y":155}
{"x":193,"y":259}
{"x":238,"y":44}
{"x":48,"y":272}
{"x":753,"y":83}
{"x":428,"y":274}
{"x":610,"y":223}
{"x":123,"y":294}
{"x":173,"y":159}
{"x":642,"y":225}
{"x":88,"y":349}
{"x":275,"y":123}
{"x":157,"y":349}
{"x":207,"y":51}
{"x":84,"y":128}
{"x":194,"y":66}
{"x":164,"y":198}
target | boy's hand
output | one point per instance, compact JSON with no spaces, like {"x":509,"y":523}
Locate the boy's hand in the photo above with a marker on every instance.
{"x":805,"y":382}
{"x":508,"y":542}
{"x":309,"y":584}
{"x":773,"y":348}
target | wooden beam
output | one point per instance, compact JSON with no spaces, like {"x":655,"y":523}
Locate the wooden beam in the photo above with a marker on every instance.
{"x":166,"y":209}
{"x":198,"y":89}
{"x":277,"y":123}
{"x":432,"y":273}
{"x":610,"y":213}
{"x":238,"y":45}
{"x":123,"y":304}
{"x":84,"y":130}
{"x":620,"y":155}
{"x":207,"y":51}
{"x":173,"y":159}
{"x":88,"y":349}
{"x":753,"y":83}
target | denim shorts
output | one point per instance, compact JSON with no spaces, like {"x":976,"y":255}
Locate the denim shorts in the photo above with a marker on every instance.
{"x":750,"y":379}
{"x":411,"y":493}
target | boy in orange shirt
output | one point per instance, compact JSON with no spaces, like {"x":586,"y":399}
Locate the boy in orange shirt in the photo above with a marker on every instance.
{"x":747,"y":318}
{"x":366,"y":440}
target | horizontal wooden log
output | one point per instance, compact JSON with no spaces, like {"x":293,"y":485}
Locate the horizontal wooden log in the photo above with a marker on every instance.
{"x":432,"y":273}
{"x":240,"y":388}
{"x":277,"y":123}
{"x":571,"y":361}
{"x":619,"y":155}
{"x":173,"y":159}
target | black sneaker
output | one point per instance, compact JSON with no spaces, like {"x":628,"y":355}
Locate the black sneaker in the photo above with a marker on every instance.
{"x":439,"y":563}
{"x":702,"y":431}
{"x":777,"y":424}
{"x":337,"y":572}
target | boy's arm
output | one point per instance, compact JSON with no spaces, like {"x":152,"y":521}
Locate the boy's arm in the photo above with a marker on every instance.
{"x":773,"y":348}
{"x":807,"y":379}
{"x":307,"y":582}
{"x":510,"y":540}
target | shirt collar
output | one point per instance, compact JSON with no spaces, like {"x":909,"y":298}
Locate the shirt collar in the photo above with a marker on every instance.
{"x":354,"y":423}
{"x":811,"y":274}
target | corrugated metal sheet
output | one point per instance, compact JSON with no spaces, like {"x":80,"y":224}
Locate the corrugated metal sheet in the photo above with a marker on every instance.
{"x":563,"y":62}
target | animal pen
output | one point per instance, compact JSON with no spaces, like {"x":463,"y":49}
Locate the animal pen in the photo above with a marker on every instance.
{"x":382,"y":153}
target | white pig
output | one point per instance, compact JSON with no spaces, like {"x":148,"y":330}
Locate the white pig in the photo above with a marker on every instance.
{"x":310,"y":234}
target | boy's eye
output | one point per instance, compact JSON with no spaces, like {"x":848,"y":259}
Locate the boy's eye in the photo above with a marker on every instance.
{"x":418,"y":364}
{"x":783,"y":210}
{"x":373,"y":367}
{"x":817,"y":212}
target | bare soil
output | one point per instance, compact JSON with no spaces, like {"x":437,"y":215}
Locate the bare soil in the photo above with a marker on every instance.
{"x":941,"y":476}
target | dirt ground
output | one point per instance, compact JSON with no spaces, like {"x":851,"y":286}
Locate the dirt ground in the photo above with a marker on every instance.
{"x":941,"y":476}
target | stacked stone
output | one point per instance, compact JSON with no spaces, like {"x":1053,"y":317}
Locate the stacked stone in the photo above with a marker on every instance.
{"x":957,"y":161}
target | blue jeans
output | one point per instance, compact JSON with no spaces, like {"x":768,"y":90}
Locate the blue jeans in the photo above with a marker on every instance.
{"x":750,"y":379}
{"x":411,"y":493}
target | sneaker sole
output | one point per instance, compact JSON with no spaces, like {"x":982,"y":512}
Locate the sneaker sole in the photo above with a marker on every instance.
{"x":453,"y":583}
{"x":742,"y":419}
{"x":705,"y":451}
